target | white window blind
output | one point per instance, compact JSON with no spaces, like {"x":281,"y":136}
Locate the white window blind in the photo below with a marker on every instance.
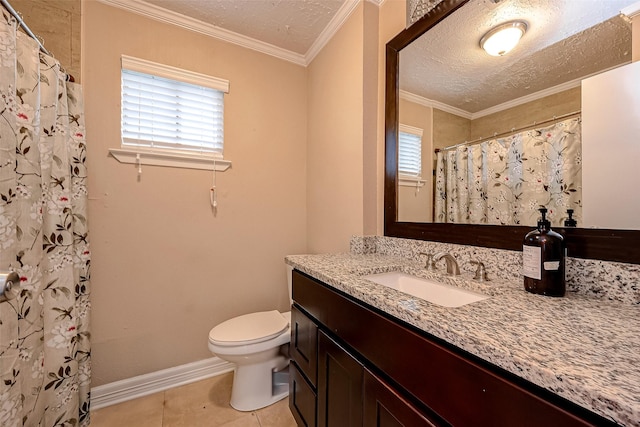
{"x":410,"y":151}
{"x":167,"y":109}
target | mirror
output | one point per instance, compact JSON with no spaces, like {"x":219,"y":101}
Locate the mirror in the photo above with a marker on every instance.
{"x":451,"y":91}
{"x":469,"y":96}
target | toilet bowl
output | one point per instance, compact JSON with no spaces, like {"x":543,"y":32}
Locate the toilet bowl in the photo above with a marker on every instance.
{"x":258,"y":345}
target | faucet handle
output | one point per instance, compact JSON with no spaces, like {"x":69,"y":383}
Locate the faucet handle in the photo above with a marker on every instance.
{"x":430,"y":265}
{"x":481,"y":271}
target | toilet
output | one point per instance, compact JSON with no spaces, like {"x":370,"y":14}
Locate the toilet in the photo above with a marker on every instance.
{"x":258,"y":344}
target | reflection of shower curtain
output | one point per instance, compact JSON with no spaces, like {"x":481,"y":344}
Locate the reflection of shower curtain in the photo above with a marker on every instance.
{"x":44,"y":332}
{"x":505,"y":181}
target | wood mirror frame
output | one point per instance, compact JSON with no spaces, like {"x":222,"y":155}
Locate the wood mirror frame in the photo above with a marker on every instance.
{"x":603,"y":244}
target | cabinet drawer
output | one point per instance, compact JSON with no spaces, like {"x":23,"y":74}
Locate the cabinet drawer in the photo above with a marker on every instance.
{"x":304,"y":344}
{"x":302,"y":399}
{"x":385,"y":407}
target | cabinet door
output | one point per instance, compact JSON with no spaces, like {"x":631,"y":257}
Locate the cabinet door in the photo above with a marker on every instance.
{"x":304,"y":344}
{"x":383,"y":407}
{"x":340,"y":382}
{"x":302,"y":398}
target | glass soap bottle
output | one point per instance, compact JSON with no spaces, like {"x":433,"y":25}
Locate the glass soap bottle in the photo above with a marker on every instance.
{"x":543,"y":260}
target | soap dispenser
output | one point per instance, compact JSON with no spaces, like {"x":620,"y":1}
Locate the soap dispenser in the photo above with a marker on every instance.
{"x":543,"y":260}
{"x":570,"y":222}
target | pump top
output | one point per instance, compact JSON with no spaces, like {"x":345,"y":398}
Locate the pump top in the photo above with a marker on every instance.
{"x":543,"y":223}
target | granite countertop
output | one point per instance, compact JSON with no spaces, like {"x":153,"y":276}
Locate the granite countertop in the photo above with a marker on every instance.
{"x":583,"y":349}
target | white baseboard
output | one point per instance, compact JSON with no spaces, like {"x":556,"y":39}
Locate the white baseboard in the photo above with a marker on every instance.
{"x":143,"y":385}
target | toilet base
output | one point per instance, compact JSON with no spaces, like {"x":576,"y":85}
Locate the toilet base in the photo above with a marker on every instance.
{"x":260,"y":384}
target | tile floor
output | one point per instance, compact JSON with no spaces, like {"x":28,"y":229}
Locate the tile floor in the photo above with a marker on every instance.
{"x":201,"y":404}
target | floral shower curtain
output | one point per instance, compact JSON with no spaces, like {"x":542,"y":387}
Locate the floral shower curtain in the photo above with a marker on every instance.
{"x":504,"y":181}
{"x":44,"y":332}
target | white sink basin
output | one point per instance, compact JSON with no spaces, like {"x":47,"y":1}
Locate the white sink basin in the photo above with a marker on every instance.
{"x":426,"y":289}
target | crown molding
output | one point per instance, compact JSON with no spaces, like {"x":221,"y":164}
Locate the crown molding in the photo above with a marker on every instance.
{"x":420,"y":100}
{"x":163,"y":15}
{"x":331,"y":29}
{"x":527,"y":98}
{"x":417,"y":99}
{"x":632,"y":10}
{"x":537,"y":95}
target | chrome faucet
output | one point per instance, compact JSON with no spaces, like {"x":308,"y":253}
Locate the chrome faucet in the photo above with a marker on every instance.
{"x":452,"y":265}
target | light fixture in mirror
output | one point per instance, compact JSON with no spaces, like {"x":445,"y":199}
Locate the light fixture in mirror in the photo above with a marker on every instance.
{"x":502,"y":39}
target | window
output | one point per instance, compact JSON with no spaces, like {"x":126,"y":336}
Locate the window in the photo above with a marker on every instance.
{"x":410,"y":151}
{"x":171,"y":117}
{"x":167,"y":114}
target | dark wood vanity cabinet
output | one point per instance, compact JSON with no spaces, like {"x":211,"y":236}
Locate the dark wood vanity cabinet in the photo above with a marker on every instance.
{"x":355,"y":366}
{"x":347,"y":394}
{"x":303,"y":370}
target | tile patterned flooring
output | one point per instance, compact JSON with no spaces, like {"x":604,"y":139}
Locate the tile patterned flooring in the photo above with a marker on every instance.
{"x":201,"y":404}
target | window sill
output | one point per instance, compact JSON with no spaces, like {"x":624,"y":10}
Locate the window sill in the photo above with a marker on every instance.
{"x":174,"y":160}
{"x":411,"y":181}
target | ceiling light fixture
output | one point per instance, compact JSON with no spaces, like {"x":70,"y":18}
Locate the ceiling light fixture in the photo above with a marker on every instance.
{"x":501,"y":39}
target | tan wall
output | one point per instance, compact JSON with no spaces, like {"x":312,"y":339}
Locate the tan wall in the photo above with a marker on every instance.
{"x":370,"y":159}
{"x":335,"y":135}
{"x":58,"y":23}
{"x":417,"y":206}
{"x":165,"y":270}
{"x":346,"y":128}
{"x":526,"y":114}
{"x":449,"y":129}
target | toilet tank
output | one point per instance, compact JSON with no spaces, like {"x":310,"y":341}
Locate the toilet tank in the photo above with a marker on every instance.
{"x":290,"y":281}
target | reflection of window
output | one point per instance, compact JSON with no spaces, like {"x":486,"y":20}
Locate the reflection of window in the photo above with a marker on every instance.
{"x":410,"y":151}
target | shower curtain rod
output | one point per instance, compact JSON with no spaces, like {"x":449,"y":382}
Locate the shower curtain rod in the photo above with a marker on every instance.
{"x":30,"y":33}
{"x":512,"y":131}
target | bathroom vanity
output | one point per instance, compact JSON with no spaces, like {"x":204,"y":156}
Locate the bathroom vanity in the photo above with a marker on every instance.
{"x":363,"y":354}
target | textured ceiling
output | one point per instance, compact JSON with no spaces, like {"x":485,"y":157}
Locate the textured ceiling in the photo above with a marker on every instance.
{"x":289,"y":24}
{"x":566,"y":40}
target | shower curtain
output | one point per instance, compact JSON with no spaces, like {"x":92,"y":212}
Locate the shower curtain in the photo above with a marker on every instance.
{"x":44,"y":332}
{"x":504,"y":181}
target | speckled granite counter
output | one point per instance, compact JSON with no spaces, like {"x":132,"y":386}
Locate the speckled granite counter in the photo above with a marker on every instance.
{"x":584,"y":349}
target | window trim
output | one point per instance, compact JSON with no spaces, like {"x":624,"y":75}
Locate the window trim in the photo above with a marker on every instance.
{"x":174,"y":73}
{"x":142,"y":156}
{"x":166,"y":157}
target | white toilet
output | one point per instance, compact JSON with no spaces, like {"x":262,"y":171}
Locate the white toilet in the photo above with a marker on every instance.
{"x":258,"y":344}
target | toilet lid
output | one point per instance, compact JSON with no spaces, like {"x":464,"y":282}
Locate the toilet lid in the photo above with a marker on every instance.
{"x":249,"y":328}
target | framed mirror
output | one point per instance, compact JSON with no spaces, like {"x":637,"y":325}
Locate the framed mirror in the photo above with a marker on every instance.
{"x":459,"y":92}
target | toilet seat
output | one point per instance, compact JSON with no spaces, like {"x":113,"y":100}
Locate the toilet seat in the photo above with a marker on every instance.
{"x":248,"y":329}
